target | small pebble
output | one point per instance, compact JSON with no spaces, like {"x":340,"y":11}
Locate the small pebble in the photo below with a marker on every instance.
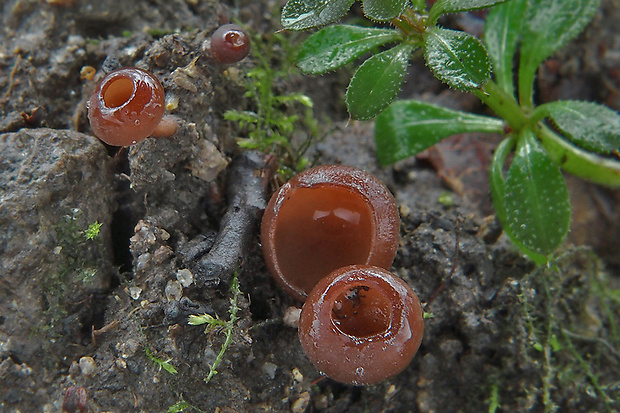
{"x":300,"y":405}
{"x":174,"y":291}
{"x":297,"y":376}
{"x":270,"y":370}
{"x":185,"y":277}
{"x":88,"y":366}
{"x":291,"y":317}
{"x":134,"y":292}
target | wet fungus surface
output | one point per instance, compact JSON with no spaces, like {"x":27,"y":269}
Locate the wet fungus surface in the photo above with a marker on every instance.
{"x":361,"y":325}
{"x":326,"y":218}
{"x":126,"y":106}
{"x":230,"y":44}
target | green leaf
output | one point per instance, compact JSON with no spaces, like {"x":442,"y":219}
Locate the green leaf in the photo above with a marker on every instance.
{"x":305,"y":14}
{"x":295,"y":98}
{"x":196,"y":320}
{"x":502,"y":33}
{"x":178,"y":407}
{"x":169,"y":367}
{"x":498,"y":194}
{"x":457,"y":58}
{"x":377,"y":82}
{"x":335,"y":46}
{"x":452,"y":6}
{"x":588,"y":125}
{"x":243,"y":117}
{"x":536,"y":199}
{"x":383,"y":10}
{"x":548,"y":26}
{"x":408,"y":127}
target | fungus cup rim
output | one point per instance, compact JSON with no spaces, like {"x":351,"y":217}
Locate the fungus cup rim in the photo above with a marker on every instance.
{"x":121,"y":125}
{"x":369,"y":359}
{"x":384,"y":213}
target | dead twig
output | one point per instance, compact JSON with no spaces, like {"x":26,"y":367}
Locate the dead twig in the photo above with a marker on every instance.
{"x":247,"y":183}
{"x":12,"y":75}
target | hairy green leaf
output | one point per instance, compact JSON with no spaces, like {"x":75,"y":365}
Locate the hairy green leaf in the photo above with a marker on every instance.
{"x":502,"y":33}
{"x":377,"y":82}
{"x":457,"y":58}
{"x":408,"y":127}
{"x":452,"y":6}
{"x":548,"y":26}
{"x":382,"y":10}
{"x":305,"y":14}
{"x":497,"y":185}
{"x":588,"y":125}
{"x":335,"y":46}
{"x":536,"y":198}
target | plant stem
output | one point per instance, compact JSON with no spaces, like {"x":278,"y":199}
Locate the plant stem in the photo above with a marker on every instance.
{"x":585,"y":365}
{"x":577,"y":161}
{"x":503,"y":104}
{"x":229,"y":325}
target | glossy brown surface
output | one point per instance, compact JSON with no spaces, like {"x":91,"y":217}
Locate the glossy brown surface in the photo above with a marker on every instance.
{"x":326,"y":218}
{"x":230,"y":44}
{"x":126,"y":106}
{"x":361,"y":325}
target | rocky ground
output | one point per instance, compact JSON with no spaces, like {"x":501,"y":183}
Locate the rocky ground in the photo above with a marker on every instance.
{"x":104,"y":318}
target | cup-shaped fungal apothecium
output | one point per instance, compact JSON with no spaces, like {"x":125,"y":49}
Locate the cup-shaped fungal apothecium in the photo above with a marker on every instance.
{"x":230,"y":44}
{"x":325,"y":218}
{"x":361,"y":325}
{"x":126,"y":106}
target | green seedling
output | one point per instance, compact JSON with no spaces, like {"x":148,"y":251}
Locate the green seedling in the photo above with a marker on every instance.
{"x":215,"y":324}
{"x":494,"y":400}
{"x":160,"y":363}
{"x":182,"y":406}
{"x":528,"y":189}
{"x":178,"y":407}
{"x":93,"y":230}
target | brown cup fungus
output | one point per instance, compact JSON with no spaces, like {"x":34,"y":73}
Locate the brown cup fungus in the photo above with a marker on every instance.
{"x":126,"y":106}
{"x":326,"y":218}
{"x":361,"y":325}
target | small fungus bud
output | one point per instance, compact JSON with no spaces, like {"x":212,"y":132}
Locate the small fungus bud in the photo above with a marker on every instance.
{"x":361,"y":325}
{"x":326,"y":218}
{"x":230,"y":44}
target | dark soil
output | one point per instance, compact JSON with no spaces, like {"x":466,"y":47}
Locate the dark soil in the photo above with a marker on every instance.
{"x":109,"y":315}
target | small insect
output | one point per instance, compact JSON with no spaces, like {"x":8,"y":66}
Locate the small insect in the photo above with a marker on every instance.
{"x":354,"y":294}
{"x":352,"y":300}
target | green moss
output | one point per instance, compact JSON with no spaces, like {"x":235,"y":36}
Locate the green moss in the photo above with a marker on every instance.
{"x":568,"y":312}
{"x":73,"y":239}
{"x":276,"y":122}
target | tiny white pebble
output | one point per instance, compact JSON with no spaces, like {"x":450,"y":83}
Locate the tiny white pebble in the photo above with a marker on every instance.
{"x":88,"y":366}
{"x":291,"y":317}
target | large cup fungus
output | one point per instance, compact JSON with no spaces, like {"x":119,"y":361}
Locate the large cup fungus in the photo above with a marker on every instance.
{"x":361,"y":325}
{"x":326,"y":218}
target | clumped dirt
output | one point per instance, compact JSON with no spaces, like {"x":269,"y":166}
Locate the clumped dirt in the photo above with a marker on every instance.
{"x":110,"y":314}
